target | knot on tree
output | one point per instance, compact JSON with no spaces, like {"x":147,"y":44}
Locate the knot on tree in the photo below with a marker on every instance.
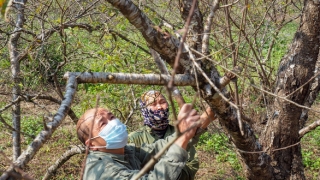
{"x":232,"y":75}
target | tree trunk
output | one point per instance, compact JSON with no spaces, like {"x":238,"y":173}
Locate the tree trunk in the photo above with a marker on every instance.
{"x":296,"y":68}
{"x":15,"y":70}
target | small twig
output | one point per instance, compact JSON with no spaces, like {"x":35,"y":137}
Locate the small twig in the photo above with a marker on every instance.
{"x":153,"y":160}
{"x":183,"y":39}
{"x":231,"y":4}
{"x":216,"y":89}
{"x":134,"y":106}
{"x":128,"y":40}
{"x":13,"y":129}
{"x":11,"y":104}
{"x":278,"y":149}
{"x":306,"y":83}
{"x":175,"y":91}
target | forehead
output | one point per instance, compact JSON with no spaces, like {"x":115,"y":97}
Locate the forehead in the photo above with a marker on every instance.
{"x":151,"y":96}
{"x":90,"y":114}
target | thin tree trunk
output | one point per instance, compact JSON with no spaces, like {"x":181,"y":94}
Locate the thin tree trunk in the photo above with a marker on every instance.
{"x":15,"y":70}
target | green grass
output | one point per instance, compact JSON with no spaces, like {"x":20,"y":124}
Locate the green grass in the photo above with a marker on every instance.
{"x":222,"y":149}
{"x":311,"y":153}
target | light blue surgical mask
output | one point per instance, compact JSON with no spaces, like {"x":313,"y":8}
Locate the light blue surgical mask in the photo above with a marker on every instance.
{"x":115,"y":134}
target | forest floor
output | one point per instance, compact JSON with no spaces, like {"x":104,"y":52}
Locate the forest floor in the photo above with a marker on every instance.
{"x":211,"y":167}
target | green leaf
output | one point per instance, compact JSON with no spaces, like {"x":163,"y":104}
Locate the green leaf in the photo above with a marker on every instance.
{"x":3,"y":6}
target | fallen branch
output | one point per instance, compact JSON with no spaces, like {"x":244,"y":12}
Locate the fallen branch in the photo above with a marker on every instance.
{"x":64,"y":158}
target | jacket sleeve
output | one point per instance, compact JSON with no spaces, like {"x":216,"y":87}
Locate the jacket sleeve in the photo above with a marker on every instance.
{"x":107,"y":168}
{"x":190,"y":169}
{"x":169,"y":166}
{"x":192,"y":165}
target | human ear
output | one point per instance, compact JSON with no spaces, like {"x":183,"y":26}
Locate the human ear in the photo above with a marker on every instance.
{"x":89,"y":143}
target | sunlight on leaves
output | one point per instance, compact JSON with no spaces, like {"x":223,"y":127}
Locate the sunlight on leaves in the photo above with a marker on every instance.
{"x":3,"y":6}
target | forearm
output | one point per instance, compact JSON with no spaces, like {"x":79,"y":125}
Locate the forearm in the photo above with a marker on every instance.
{"x":207,"y":117}
{"x":182,"y":141}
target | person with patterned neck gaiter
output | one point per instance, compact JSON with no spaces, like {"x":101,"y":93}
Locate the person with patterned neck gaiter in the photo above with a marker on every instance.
{"x":155,"y":111}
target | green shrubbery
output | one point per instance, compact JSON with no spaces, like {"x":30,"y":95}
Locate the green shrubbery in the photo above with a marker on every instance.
{"x":220,"y":146}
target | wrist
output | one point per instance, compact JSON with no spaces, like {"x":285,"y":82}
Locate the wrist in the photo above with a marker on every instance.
{"x":182,"y":141}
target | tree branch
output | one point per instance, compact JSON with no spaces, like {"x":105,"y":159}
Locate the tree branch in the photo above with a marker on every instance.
{"x":309,"y":128}
{"x":128,"y":40}
{"x":44,"y":135}
{"x":206,"y":33}
{"x":64,"y":158}
{"x":123,"y":78}
{"x":162,"y":42}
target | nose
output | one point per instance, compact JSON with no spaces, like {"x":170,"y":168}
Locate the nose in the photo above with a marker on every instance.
{"x":158,"y":106}
{"x":110,"y":115}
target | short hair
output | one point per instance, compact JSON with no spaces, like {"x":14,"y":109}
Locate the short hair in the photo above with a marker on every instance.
{"x":83,"y":130}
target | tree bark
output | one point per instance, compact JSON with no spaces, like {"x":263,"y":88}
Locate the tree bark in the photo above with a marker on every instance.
{"x":123,"y":78}
{"x":157,"y":39}
{"x":296,"y":68}
{"x":15,"y":70}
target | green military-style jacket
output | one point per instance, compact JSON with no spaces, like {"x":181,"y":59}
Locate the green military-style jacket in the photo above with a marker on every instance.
{"x":145,"y":135}
{"x":101,"y":165}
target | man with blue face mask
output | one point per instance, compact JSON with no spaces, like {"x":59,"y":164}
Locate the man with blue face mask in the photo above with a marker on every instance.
{"x":110,"y":158}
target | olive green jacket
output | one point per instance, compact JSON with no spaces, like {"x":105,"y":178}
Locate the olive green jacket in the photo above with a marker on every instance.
{"x":145,"y":135}
{"x":101,"y":165}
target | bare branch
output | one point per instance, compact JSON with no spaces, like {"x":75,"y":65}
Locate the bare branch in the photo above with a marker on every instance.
{"x":206,"y":33}
{"x":44,"y":135}
{"x":231,"y":4}
{"x":13,"y":129}
{"x":123,"y":78}
{"x":128,"y":40}
{"x":156,"y":157}
{"x":175,"y":91}
{"x":11,"y":104}
{"x":64,"y":158}
{"x":309,"y":128}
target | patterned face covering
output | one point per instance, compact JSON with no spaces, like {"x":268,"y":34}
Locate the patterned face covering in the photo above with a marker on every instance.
{"x":157,"y":120}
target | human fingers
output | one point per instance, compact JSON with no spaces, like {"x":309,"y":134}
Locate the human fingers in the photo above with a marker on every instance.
{"x":195,"y":117}
{"x":193,"y":112}
{"x":184,"y":111}
{"x":186,"y":107}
